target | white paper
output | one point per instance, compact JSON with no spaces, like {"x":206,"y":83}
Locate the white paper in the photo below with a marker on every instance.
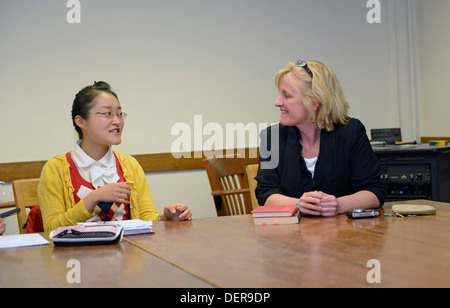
{"x":130,"y":227}
{"x":22,"y":240}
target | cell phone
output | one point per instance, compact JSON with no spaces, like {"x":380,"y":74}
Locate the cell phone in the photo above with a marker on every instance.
{"x":363,"y":213}
{"x":9,"y":213}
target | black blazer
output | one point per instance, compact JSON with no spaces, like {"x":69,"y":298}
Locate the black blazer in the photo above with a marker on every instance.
{"x":346,"y":164}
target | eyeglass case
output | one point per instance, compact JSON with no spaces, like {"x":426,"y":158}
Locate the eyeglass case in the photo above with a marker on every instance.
{"x":414,"y":209}
{"x":87,"y":235}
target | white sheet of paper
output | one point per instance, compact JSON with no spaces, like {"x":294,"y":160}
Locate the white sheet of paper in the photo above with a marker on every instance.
{"x":22,"y":240}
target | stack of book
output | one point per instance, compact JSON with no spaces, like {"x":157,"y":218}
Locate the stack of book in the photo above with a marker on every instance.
{"x":276,"y":214}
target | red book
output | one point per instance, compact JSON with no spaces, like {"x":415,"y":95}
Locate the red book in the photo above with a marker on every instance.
{"x":276,"y":215}
{"x":275,"y":211}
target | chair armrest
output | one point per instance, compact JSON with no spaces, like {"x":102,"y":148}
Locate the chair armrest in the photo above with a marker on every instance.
{"x":217,"y":193}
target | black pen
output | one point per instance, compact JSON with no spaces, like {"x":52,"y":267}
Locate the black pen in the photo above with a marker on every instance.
{"x":9,"y":213}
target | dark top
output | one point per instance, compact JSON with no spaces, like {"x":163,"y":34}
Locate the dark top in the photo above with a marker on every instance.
{"x":346,"y":163}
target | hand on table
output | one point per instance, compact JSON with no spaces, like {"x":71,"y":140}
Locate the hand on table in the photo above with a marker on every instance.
{"x":318,"y":203}
{"x":177,"y":212}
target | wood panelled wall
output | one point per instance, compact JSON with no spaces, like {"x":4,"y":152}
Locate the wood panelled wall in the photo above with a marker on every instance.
{"x":150,"y":163}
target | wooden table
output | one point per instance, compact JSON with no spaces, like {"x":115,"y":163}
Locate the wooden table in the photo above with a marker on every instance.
{"x":119,"y":265}
{"x":232,"y":252}
{"x":318,"y":252}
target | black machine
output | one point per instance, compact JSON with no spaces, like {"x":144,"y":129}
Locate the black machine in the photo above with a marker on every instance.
{"x":415,"y":171}
{"x":388,"y":135}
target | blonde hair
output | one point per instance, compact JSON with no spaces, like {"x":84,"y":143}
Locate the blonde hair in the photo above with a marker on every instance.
{"x":323,"y":86}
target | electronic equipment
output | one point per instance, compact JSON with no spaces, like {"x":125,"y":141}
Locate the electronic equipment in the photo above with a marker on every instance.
{"x":415,"y":172}
{"x":388,"y":135}
{"x":363,"y":213}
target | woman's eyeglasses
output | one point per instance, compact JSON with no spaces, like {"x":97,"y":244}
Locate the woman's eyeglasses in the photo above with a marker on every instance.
{"x":303,"y":64}
{"x":110,"y":115}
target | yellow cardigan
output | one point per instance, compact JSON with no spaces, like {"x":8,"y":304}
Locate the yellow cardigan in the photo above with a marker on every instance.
{"x":57,"y":203}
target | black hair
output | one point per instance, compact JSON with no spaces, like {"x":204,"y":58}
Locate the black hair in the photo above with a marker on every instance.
{"x":83,"y":101}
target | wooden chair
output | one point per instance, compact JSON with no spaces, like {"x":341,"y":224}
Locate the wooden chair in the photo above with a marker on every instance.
{"x":252,"y":171}
{"x":229,"y":185}
{"x":25,"y":196}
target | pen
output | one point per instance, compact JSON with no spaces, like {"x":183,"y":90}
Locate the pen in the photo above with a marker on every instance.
{"x":9,"y":213}
{"x":405,"y":142}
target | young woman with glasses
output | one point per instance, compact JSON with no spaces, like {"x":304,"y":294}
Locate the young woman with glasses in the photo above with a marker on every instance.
{"x":93,"y":182}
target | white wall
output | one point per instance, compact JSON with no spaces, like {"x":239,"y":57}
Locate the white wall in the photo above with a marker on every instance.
{"x":434,"y":51}
{"x":171,"y":60}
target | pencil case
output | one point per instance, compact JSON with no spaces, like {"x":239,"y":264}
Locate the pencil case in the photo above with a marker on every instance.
{"x":87,"y":235}
{"x":414,"y":209}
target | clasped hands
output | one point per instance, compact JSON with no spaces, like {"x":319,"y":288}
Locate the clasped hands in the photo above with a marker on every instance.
{"x":318,"y":203}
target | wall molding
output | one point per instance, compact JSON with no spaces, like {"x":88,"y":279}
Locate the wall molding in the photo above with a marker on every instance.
{"x":160,"y":162}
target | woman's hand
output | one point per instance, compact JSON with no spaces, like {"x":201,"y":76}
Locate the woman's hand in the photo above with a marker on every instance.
{"x":2,"y":226}
{"x":114,"y":192}
{"x":310,"y":203}
{"x":176,"y":212}
{"x":318,"y":203}
{"x":329,"y":205}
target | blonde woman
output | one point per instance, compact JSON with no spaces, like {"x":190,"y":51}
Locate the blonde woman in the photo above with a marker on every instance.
{"x":326,"y":163}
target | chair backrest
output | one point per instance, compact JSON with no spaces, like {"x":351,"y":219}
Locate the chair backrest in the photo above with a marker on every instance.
{"x":229,"y":185}
{"x":25,"y":196}
{"x":252,"y":171}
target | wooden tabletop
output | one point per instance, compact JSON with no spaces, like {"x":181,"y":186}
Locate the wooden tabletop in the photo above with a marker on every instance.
{"x":232,"y":252}
{"x":319,"y":252}
{"x":119,"y":265}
